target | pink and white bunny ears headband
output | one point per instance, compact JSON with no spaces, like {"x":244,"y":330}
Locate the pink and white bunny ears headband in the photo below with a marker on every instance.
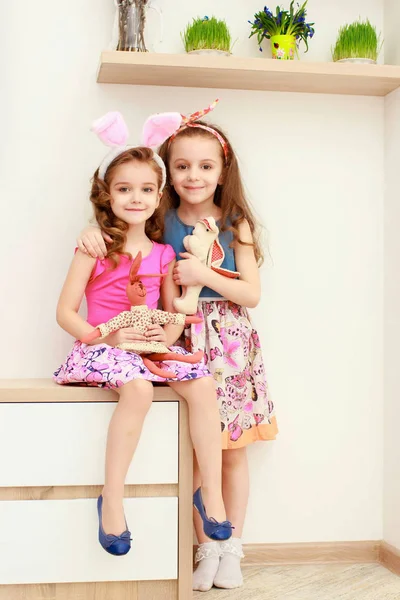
{"x":112,"y":130}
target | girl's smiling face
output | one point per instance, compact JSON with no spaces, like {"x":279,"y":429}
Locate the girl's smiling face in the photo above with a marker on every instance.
{"x":196,"y":166}
{"x":134,"y":192}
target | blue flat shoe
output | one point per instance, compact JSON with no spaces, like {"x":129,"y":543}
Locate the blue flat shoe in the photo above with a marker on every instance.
{"x":118,"y":545}
{"x":212,"y":528}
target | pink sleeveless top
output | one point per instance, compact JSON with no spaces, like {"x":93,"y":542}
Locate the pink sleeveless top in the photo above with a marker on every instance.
{"x":106,"y":289}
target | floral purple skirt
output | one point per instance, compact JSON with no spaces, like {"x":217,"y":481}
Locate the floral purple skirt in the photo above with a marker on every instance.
{"x":105,"y":366}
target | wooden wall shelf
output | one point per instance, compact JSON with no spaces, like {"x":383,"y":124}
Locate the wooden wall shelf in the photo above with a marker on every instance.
{"x":238,"y":73}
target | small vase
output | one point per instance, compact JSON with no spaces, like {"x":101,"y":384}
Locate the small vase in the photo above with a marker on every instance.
{"x":129,"y":23}
{"x":283,"y":47}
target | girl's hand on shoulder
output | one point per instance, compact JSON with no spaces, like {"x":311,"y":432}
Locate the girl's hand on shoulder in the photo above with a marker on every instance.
{"x":122,"y":336}
{"x":156,"y":333}
{"x":189,"y":271}
{"x":92,"y":241}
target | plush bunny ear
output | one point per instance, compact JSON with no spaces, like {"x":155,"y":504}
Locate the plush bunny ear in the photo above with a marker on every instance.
{"x":111,"y":129}
{"x":210,"y":223}
{"x":137,"y":261}
{"x":160,"y":127}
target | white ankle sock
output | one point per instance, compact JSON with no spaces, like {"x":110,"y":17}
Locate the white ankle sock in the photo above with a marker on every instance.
{"x":229,"y":574}
{"x":207,"y":557}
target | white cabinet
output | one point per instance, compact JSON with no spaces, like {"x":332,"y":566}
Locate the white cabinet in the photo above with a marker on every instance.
{"x":52,"y":444}
{"x":56,"y":541}
{"x":63,"y":444}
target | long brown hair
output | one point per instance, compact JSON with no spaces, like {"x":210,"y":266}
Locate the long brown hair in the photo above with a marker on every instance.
{"x":229,"y":196}
{"x":101,"y":200}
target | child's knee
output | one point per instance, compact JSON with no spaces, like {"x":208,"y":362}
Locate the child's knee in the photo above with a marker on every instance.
{"x":203,"y":390}
{"x":197,"y":390}
{"x":232,"y":458}
{"x":137,"y":394}
{"x":207,"y":385}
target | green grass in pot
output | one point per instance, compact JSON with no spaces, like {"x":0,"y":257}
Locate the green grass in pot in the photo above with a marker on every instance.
{"x":207,"y":34}
{"x":357,"y":40}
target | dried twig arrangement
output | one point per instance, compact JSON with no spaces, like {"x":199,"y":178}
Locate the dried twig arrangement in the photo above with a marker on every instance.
{"x":131,"y":22}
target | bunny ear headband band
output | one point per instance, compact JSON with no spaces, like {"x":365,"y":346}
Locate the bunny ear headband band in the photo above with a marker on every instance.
{"x":113,"y":132}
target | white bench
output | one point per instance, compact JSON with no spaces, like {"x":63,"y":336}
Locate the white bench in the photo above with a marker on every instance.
{"x":52,"y":442}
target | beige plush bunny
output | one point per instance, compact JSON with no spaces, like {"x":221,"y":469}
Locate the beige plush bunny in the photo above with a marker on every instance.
{"x":202,"y":243}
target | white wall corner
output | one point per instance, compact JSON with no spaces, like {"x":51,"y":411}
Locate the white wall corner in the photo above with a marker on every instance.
{"x":391,"y":493}
{"x":391,"y":29}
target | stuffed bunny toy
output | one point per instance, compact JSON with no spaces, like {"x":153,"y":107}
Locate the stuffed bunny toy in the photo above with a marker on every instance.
{"x":202,"y":243}
{"x":140,"y":317}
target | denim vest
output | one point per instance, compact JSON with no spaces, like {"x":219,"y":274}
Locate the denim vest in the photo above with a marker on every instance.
{"x":174,"y":233}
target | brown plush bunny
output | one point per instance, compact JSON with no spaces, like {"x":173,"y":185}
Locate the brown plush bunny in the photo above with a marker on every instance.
{"x":140,"y":317}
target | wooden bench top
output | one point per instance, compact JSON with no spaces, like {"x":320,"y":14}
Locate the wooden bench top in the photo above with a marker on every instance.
{"x":45,"y":390}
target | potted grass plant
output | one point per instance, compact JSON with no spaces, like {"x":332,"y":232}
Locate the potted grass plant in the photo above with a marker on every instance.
{"x":357,"y":42}
{"x":207,"y":36}
{"x":286,"y":29}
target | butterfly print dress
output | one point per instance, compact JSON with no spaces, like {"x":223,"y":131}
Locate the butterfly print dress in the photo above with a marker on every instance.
{"x":233,"y":355}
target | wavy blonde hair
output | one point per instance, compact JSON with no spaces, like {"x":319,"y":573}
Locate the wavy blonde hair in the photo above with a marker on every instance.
{"x":100,"y":197}
{"x":229,"y":196}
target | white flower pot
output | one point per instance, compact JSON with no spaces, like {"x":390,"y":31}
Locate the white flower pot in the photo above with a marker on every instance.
{"x":359,"y":61}
{"x":211,"y":52}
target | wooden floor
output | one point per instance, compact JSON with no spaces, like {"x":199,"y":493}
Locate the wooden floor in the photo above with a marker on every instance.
{"x":312,"y":582}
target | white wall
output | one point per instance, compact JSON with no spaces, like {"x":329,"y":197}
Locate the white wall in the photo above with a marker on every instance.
{"x":391,"y":528}
{"x":391,"y":523}
{"x":392,"y":44}
{"x":322,"y":315}
{"x":313,"y":167}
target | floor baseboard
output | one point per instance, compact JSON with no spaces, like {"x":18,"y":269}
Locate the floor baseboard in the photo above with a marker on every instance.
{"x":374,"y":551}
{"x":305,"y":553}
{"x":389,"y":557}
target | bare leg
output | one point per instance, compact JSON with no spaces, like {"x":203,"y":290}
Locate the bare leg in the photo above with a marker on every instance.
{"x":198,"y":523}
{"x":208,"y":553}
{"x":124,"y":431}
{"x":235,"y":486}
{"x":235,"y":489}
{"x":235,"y":477}
{"x":205,"y":431}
